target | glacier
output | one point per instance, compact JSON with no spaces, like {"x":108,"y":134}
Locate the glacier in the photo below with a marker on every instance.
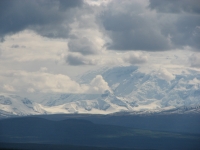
{"x":131,"y":90}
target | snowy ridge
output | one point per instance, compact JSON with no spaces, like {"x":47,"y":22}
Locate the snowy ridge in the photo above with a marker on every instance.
{"x":131,"y":91}
{"x":16,"y":105}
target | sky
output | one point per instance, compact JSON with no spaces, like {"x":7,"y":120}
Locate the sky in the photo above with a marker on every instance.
{"x":46,"y":44}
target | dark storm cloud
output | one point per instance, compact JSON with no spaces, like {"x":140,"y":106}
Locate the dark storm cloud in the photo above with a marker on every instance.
{"x":142,"y":39}
{"x":130,"y":30}
{"x":48,"y":18}
{"x":133,"y":27}
{"x":2,"y":39}
{"x":176,"y":6}
{"x":83,"y":46}
{"x":17,"y":46}
{"x":77,"y":59}
{"x":185,"y":30}
{"x":65,"y":4}
{"x":130,"y":24}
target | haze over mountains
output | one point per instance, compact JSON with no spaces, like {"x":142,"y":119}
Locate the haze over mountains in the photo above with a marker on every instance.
{"x":124,"y":89}
{"x":40,"y":57}
{"x":100,"y":74}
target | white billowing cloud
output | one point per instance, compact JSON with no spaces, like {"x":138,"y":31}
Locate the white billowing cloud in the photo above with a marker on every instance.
{"x":9,"y":88}
{"x":194,"y":81}
{"x":194,"y":60}
{"x":30,"y":90}
{"x":98,"y":85}
{"x":135,"y":58}
{"x":86,"y":41}
{"x":79,"y":39}
{"x":111,"y":60}
{"x":32,"y":47}
{"x":165,"y":74}
{"x":43,"y":69}
{"x":44,"y":82}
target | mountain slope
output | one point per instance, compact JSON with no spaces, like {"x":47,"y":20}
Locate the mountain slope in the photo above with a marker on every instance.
{"x":131,"y":90}
{"x":15,"y":105}
{"x":138,"y":92}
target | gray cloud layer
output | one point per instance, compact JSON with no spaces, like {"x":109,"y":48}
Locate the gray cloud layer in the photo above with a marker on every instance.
{"x":76,"y":59}
{"x":83,"y":46}
{"x":195,"y":60}
{"x":136,"y":27}
{"x":48,"y":18}
{"x":185,"y":28}
{"x":133,"y":28}
{"x":175,"y":6}
{"x":154,"y":25}
{"x":135,"y":58}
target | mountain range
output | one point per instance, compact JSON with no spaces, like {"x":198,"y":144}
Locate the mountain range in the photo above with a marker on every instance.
{"x":130,"y":90}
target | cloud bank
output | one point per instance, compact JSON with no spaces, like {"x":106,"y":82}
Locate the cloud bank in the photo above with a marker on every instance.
{"x":153,"y":25}
{"x":44,"y":82}
{"x":69,"y":37}
{"x":47,"y":18}
{"x":165,"y":75}
{"x":194,"y":60}
{"x":135,"y":58}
